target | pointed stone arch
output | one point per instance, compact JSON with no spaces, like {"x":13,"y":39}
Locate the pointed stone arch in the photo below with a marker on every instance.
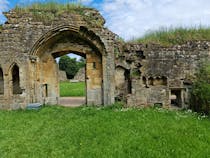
{"x":15,"y":78}
{"x":78,"y":40}
{"x":82,"y":32}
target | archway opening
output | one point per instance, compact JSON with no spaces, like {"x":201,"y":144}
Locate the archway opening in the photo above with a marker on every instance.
{"x":72,"y":79}
{"x":59,"y":43}
{"x":1,"y":82}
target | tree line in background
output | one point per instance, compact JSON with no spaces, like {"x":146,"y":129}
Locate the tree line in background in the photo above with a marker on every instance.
{"x":70,"y":65}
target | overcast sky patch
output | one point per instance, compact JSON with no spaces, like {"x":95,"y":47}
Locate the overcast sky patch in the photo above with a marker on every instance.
{"x":133,"y":18}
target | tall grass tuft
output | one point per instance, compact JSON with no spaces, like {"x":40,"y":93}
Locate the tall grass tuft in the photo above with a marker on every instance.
{"x":49,"y":6}
{"x":173,"y":36}
{"x":47,"y":11}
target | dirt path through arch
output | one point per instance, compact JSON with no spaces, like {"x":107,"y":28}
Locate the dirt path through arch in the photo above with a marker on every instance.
{"x":72,"y":101}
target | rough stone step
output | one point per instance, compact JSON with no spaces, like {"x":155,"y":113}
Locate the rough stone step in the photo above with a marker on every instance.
{"x":34,"y":106}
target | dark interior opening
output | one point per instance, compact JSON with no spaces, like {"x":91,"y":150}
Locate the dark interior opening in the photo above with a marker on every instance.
{"x":176,"y":99}
{"x":158,"y":81}
{"x":151,"y":81}
{"x":94,"y":65}
{"x":45,"y":88}
{"x":16,"y":80}
{"x":144,"y":81}
{"x":140,"y":54}
{"x":164,"y":79}
{"x":128,"y":80}
{"x":1,"y":82}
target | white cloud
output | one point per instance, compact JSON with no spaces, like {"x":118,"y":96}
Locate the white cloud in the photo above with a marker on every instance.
{"x":134,"y":17}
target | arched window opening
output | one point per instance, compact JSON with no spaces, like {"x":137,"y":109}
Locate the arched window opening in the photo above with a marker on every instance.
{"x":151,"y":81}
{"x":160,"y":81}
{"x":144,"y":81}
{"x":128,"y":80}
{"x":1,"y":82}
{"x":16,"y":80}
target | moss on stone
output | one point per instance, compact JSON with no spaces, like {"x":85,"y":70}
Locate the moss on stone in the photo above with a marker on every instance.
{"x":1,"y":28}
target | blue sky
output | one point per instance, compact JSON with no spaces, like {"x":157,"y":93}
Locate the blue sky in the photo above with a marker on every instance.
{"x":133,"y":18}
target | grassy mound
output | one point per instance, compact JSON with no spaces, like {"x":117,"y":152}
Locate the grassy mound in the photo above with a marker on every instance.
{"x":173,"y":36}
{"x":103,"y":132}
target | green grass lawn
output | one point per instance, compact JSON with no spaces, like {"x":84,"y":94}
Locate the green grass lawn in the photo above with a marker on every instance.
{"x":68,"y":89}
{"x":89,"y":132}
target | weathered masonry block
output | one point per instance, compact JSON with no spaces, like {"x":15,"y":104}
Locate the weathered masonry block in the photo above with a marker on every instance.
{"x":159,"y":75}
{"x":140,"y":75}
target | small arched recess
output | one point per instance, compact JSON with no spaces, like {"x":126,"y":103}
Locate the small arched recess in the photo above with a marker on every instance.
{"x":16,"y":80}
{"x":1,"y":82}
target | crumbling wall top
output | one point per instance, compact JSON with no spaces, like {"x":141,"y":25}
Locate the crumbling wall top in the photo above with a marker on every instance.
{"x":190,"y":45}
{"x":84,"y":16}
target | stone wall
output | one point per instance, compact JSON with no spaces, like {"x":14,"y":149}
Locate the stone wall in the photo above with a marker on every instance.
{"x":33,"y":43}
{"x":80,"y":75}
{"x":159,"y":74}
{"x":62,"y":76}
{"x":140,"y":75}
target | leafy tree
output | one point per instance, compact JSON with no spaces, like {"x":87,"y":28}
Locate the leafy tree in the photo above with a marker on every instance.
{"x":200,"y":96}
{"x":69,"y":65}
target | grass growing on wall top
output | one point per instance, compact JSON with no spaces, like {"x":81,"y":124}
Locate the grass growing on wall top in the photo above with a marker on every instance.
{"x":173,"y":36}
{"x":49,"y":6}
{"x":103,"y":133}
{"x":47,"y":11}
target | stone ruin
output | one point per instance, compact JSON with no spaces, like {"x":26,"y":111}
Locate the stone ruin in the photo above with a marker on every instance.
{"x":80,"y":75}
{"x":140,"y":75}
{"x":62,"y":76}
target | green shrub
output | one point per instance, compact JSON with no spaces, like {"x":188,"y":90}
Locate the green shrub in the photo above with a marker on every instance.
{"x":69,"y":65}
{"x":200,"y":96}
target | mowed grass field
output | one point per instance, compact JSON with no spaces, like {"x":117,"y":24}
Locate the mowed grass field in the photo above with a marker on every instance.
{"x":68,"y":89}
{"x":91,"y":132}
